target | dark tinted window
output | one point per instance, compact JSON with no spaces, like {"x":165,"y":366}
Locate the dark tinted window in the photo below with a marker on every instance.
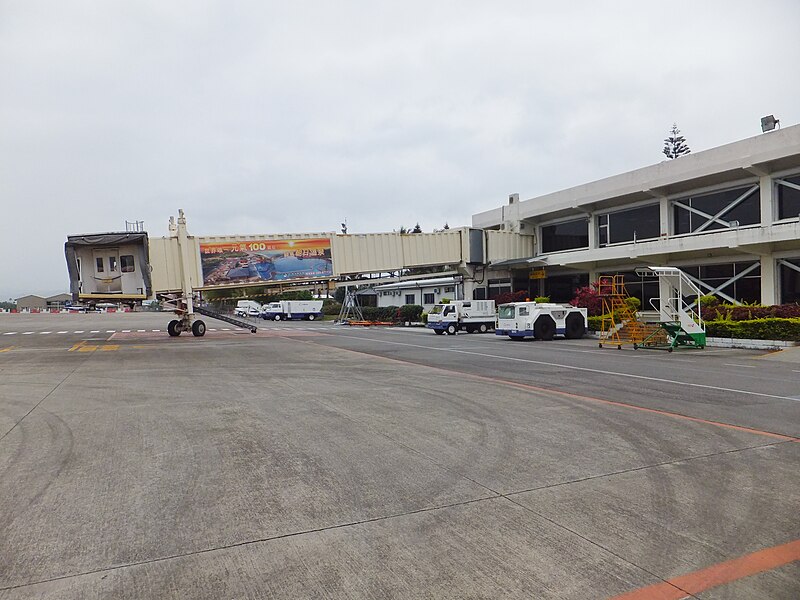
{"x":788,"y":198}
{"x":628,"y":225}
{"x":565,"y":236}
{"x":790,"y":281}
{"x":561,"y":288}
{"x":746,"y":212}
{"x":428,"y":299}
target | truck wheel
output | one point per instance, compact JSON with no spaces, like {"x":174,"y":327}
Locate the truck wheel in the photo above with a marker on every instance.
{"x":451,"y":330}
{"x":198,"y":329}
{"x":483,"y":328}
{"x":438,"y":331}
{"x":174,"y":328}
{"x":574,"y":327}
{"x":544,"y":328}
{"x":276,"y":318}
{"x":311,"y":317}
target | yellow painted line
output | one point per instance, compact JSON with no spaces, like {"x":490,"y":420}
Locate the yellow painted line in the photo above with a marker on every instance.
{"x":7,"y":349}
{"x":87,"y":348}
{"x":76,"y":347}
{"x":110,"y":347}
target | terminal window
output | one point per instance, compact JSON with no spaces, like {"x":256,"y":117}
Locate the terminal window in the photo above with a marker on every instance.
{"x":429,"y":299}
{"x":570,"y":235}
{"x":718,"y":210}
{"x":635,"y":224}
{"x":789,"y":197}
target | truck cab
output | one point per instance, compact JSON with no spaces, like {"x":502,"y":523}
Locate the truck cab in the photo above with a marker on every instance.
{"x":540,"y":321}
{"x":247,"y":308}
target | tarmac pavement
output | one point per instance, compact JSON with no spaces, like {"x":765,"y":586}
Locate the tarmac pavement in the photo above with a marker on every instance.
{"x":317,"y":461}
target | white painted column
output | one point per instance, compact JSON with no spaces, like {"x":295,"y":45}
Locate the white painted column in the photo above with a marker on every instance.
{"x":664,"y":217}
{"x":769,"y":280}
{"x":767,"y":203}
{"x":593,"y":231}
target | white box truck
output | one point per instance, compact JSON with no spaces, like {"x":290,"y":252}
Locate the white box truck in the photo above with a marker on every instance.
{"x":462,"y":315}
{"x":247,"y":308}
{"x":540,"y":321}
{"x":293,"y":309}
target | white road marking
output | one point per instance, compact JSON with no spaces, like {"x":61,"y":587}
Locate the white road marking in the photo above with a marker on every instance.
{"x":110,"y":331}
{"x":156,"y":331}
{"x":10,"y":333}
{"x":126,"y":331}
{"x":63,"y":332}
{"x":225,"y":329}
{"x":27,"y":332}
{"x":738,"y":366}
{"x":140,"y":330}
{"x":44,"y":332}
{"x":795,"y":371}
{"x":589,"y":370}
{"x":81,"y":331}
{"x":212,"y":329}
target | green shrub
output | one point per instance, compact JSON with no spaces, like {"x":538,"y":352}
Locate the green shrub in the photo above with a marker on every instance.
{"x":410,"y":312}
{"x":331,"y":307}
{"x":425,"y":318}
{"x":595,"y":323}
{"x":708,"y":300}
{"x":542,"y":299}
{"x":444,"y":301}
{"x":633,"y":303}
{"x":756,"y":329}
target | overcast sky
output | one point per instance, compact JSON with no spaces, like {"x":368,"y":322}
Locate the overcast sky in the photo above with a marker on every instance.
{"x":273,"y":117}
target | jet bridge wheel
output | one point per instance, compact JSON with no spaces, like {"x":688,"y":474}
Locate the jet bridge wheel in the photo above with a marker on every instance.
{"x":174,"y":328}
{"x":198,"y":328}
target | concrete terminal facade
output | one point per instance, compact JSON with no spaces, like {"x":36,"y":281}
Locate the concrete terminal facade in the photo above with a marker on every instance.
{"x":729,"y":217}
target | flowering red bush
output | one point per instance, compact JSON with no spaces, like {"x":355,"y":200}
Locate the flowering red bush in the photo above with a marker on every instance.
{"x":507,"y":297}
{"x":587,"y":297}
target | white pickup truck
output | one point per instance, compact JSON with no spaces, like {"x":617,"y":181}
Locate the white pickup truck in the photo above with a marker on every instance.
{"x":520,"y":320}
{"x":247,"y":308}
{"x":466,"y":315}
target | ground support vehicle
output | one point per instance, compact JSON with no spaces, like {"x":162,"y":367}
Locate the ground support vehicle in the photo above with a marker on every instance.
{"x":462,"y":315}
{"x":248,"y":308}
{"x":540,"y":321}
{"x":286,"y":310}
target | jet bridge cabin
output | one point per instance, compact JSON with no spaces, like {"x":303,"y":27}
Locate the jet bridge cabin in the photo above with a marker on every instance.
{"x":109,"y":267}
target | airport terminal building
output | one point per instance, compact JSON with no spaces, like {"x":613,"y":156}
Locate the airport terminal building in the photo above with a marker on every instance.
{"x":729,"y":217}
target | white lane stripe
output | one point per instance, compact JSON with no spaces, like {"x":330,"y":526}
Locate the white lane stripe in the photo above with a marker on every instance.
{"x":10,"y":333}
{"x":63,"y":332}
{"x":212,"y":329}
{"x":156,"y":330}
{"x":111,"y":331}
{"x":126,"y":331}
{"x":80,"y":331}
{"x":225,"y":329}
{"x":44,"y":332}
{"x":738,"y":366}
{"x":27,"y":333}
{"x":95,"y":331}
{"x":140,"y":330}
{"x":589,"y":370}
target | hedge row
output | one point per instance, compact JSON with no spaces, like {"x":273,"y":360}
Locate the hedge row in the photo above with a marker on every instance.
{"x":751,"y":329}
{"x":730,"y":312}
{"x":395,"y":314}
{"x":756,"y":329}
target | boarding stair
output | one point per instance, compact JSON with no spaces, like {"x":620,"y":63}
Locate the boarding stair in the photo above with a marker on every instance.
{"x":678,"y":306}
{"x":620,"y":323}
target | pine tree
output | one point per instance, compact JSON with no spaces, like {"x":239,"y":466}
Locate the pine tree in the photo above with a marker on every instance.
{"x":417,"y":229}
{"x":675,"y":145}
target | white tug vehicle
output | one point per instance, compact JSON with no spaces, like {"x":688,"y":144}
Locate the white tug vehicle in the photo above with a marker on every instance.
{"x":540,"y":321}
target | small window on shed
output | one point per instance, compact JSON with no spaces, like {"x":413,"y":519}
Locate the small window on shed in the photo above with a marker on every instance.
{"x":126,"y":263}
{"x":99,"y":262}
